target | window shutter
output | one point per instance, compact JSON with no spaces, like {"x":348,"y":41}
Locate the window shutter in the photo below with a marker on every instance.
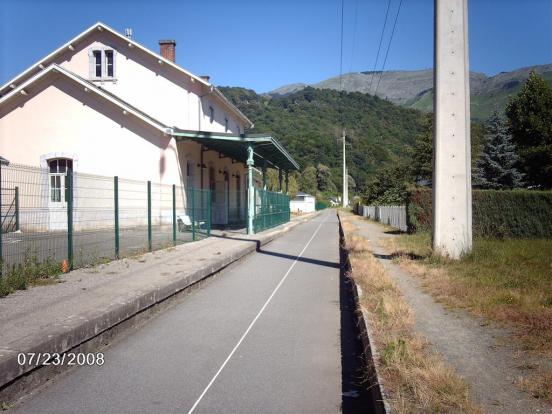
{"x":91,"y":65}
{"x":114,"y":64}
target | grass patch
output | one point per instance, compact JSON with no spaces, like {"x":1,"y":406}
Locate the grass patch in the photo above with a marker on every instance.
{"x":29,"y":273}
{"x":506,"y":280}
{"x":416,"y":379}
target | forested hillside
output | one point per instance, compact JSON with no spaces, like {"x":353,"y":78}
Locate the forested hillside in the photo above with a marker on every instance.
{"x":308,"y":123}
{"x":414,"y":89}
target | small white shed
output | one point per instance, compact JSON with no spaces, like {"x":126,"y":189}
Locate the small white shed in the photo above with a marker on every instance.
{"x":303,"y":203}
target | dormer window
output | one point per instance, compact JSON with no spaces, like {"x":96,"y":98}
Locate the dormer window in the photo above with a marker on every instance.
{"x":102,"y":64}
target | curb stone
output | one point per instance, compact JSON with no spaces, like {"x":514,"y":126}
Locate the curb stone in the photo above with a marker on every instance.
{"x":376,"y":387}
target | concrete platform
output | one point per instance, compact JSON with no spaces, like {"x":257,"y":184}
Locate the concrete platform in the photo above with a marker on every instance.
{"x":91,"y":301}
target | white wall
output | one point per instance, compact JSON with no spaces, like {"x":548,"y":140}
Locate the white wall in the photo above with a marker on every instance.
{"x":307,"y":205}
{"x":83,"y":126}
{"x":163,"y":92}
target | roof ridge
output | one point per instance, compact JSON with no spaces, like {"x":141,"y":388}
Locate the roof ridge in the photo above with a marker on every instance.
{"x":101,"y":26}
{"x":55,"y":68}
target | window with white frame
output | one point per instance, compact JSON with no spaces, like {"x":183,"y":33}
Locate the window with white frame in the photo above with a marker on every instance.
{"x":109,"y":63}
{"x":59,"y":168}
{"x":102,"y":64}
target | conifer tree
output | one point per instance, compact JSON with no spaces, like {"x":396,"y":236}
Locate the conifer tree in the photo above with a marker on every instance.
{"x":496,"y":166}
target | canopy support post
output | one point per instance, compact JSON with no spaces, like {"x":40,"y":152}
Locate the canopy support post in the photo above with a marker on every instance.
{"x":280,"y":179}
{"x":287,"y":182}
{"x":264,"y":174}
{"x":250,"y":190}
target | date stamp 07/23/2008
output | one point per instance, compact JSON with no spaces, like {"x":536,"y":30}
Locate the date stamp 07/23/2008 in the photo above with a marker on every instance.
{"x":68,"y":358}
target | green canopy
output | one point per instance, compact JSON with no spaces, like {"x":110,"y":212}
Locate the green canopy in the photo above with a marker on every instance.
{"x":265,"y":148}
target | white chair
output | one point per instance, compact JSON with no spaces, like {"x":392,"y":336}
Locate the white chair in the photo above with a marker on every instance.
{"x":185,"y":223}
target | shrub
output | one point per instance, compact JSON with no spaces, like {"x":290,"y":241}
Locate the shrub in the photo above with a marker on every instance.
{"x":497,"y":214}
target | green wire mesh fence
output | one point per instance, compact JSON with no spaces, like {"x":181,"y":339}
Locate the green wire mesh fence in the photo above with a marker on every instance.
{"x":271,"y":209}
{"x":320,"y":206}
{"x":54,"y":215}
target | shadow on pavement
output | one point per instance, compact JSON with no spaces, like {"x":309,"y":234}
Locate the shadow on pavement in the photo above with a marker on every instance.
{"x":285,"y":256}
{"x":301,"y":259}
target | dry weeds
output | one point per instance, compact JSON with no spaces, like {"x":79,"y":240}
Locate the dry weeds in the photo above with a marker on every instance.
{"x":520,"y":307}
{"x":416,"y":379}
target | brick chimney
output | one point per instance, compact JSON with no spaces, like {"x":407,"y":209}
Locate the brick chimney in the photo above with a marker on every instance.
{"x":167,"y":49}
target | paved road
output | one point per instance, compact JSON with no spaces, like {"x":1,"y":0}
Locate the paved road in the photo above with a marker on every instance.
{"x":265,"y":337}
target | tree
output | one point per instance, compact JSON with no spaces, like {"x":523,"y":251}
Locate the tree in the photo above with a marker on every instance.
{"x":305,"y":123}
{"x":272,"y":180}
{"x":293,"y":185}
{"x":530,"y":122}
{"x":324,"y":179}
{"x":351,"y":182}
{"x":308,"y":182}
{"x":390,"y":186}
{"x":422,"y":153}
{"x":496,"y":166}
{"x":422,"y":157}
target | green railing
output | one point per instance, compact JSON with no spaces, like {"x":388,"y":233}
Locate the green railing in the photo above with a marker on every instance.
{"x":320,"y":206}
{"x":199,"y":208}
{"x":83,"y":219}
{"x":271,"y":209}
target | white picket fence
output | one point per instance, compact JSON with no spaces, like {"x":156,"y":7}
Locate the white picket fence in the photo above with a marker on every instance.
{"x":394,"y":216}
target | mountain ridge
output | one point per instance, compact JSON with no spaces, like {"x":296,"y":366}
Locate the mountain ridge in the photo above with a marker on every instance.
{"x":414,"y":89}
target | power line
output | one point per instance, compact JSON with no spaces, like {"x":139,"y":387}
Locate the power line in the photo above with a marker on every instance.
{"x":380,"y":42}
{"x":389,"y":45}
{"x":341,"y":50}
{"x":354,"y":37}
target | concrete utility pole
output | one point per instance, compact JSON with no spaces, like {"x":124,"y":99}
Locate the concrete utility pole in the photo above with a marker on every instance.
{"x":452,"y":201}
{"x":345,"y":176}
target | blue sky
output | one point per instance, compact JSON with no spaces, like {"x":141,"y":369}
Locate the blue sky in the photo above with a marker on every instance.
{"x":263,"y":44}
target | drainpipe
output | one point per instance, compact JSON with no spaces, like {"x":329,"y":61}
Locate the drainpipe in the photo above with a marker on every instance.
{"x":250,"y":190}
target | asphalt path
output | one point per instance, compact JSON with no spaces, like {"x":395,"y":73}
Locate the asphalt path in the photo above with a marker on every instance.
{"x":271,"y":334}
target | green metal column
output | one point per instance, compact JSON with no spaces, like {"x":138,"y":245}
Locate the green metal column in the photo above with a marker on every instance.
{"x":149,"y":216}
{"x":174,"y":213}
{"x":280,"y":180}
{"x":16,"y":208}
{"x":116,"y":202}
{"x":264,"y":175}
{"x":209,"y":207}
{"x":192,"y":192}
{"x":250,"y":190}
{"x":287,"y":182}
{"x":69,"y":201}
